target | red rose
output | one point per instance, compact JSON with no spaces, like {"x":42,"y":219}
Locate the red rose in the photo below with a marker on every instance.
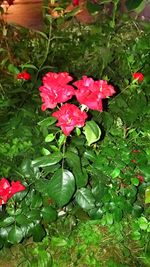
{"x":138,"y":76}
{"x":91,"y":93}
{"x":23,"y":76}
{"x":69,"y":116}
{"x":55,"y":89}
{"x":7,"y":190}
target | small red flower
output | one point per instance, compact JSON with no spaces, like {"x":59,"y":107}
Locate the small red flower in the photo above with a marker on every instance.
{"x":141,"y":178}
{"x":69,"y":116}
{"x":24,"y":75}
{"x":133,"y":161}
{"x":75,"y":2}
{"x":7,"y":190}
{"x":135,"y":151}
{"x":138,"y":76}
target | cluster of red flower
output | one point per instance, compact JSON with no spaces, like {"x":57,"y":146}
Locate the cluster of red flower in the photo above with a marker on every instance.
{"x":56,"y":90}
{"x":7,"y":190}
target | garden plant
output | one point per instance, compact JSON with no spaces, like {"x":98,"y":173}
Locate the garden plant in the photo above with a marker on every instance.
{"x":75,"y":138}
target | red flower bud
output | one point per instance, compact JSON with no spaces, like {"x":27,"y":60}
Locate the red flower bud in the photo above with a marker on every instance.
{"x":24,"y":75}
{"x":141,"y":178}
{"x":138,"y":76}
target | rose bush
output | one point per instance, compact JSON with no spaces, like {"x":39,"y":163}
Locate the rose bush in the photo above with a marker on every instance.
{"x":100,"y":170}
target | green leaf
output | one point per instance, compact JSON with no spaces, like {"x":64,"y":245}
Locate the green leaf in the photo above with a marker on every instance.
{"x":38,"y":233}
{"x":135,"y":181}
{"x":28,"y":66}
{"x":7,"y":221}
{"x":15,"y":235}
{"x":115,"y":173}
{"x":92,"y":132}
{"x":47,"y":122}
{"x":85,"y":199}
{"x":143,"y":223}
{"x":74,"y":163}
{"x":61,"y":187}
{"x":49,"y":138}
{"x":21,"y":219}
{"x":13,"y":69}
{"x":33,"y":215}
{"x":132,"y":4}
{"x":36,"y":201}
{"x":49,"y":214}
{"x":48,"y":160}
{"x":147,"y":195}
{"x":109,"y":218}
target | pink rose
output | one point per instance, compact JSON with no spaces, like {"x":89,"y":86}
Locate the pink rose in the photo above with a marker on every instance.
{"x":91,"y":93}
{"x":55,"y":89}
{"x":69,"y":116}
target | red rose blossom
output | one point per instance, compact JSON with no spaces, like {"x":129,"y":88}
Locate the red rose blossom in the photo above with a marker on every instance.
{"x":138,"y":76}
{"x":69,"y":116}
{"x":7,"y":190}
{"x":24,"y":75}
{"x":55,"y":89}
{"x":91,"y":93}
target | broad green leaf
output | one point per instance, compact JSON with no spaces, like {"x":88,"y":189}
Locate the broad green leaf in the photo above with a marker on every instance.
{"x":90,"y":155}
{"x":15,"y":235}
{"x":85,"y":199}
{"x":21,"y":219}
{"x":147,"y":195}
{"x":74,"y":163}
{"x":49,"y":138}
{"x":49,"y":214}
{"x":7,"y":221}
{"x":96,"y":213}
{"x":61,"y":187}
{"x":92,"y":132}
{"x":33,"y":215}
{"x":38,"y":233}
{"x":48,"y":160}
{"x":36,"y":201}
